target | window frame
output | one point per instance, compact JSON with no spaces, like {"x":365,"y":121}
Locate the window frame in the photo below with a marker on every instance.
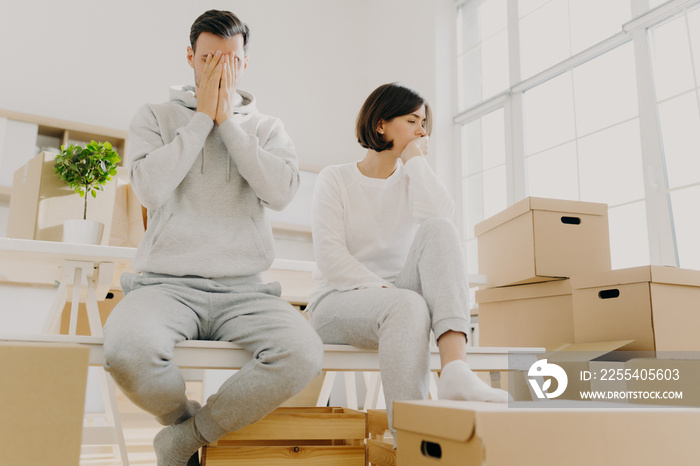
{"x":662,"y":242}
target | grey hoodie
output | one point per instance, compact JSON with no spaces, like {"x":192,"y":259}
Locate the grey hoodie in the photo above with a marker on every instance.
{"x":206,"y":186}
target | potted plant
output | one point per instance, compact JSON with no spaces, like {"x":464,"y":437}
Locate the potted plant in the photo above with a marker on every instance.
{"x":86,"y":170}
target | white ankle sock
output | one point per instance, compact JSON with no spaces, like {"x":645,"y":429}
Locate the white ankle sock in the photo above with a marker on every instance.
{"x":458,"y":382}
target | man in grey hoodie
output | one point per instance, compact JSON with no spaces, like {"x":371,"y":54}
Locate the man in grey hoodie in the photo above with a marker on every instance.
{"x":205,"y":165}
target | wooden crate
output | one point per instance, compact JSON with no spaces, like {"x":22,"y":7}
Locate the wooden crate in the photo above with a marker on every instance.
{"x":380,"y":443}
{"x":309,"y":436}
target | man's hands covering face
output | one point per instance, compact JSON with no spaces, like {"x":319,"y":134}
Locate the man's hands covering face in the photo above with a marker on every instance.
{"x":227,"y":89}
{"x":217,"y":86}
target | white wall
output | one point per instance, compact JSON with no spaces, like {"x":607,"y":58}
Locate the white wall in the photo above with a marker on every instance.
{"x":312,"y":62}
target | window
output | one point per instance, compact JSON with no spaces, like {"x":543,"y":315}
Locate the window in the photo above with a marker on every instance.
{"x":483,"y":174}
{"x":598,"y":100}
{"x":675,"y":52}
{"x":483,"y":50}
{"x":552,"y":31}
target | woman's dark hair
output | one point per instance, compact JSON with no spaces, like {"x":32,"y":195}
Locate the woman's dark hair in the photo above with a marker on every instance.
{"x":385,"y":103}
{"x":221,"y":23}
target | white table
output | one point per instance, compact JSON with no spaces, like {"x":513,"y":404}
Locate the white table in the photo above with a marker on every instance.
{"x":95,"y":268}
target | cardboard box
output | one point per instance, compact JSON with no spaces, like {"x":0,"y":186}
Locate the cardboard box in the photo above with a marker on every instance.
{"x":657,"y":307}
{"x":294,"y":436}
{"x":538,"y":239}
{"x":536,"y":314}
{"x":105,"y":308}
{"x":41,"y":202}
{"x":544,"y":433}
{"x":42,"y":402}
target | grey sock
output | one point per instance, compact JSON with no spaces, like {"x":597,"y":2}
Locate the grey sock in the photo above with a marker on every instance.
{"x":175,"y":445}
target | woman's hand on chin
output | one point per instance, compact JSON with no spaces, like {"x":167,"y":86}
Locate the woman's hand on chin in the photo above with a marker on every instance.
{"x":415,"y":148}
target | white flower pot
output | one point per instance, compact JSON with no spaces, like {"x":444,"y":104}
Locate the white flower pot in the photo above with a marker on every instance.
{"x":82,"y":231}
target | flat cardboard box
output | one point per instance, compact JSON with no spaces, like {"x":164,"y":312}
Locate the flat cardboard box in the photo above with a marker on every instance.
{"x":592,"y":357}
{"x":536,"y":314}
{"x":42,"y":402}
{"x":657,"y":307}
{"x":573,"y":358}
{"x":549,"y":433}
{"x":41,"y":202}
{"x":539,"y":239}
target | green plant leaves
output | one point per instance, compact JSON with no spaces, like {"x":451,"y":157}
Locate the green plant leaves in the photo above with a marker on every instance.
{"x":87,"y":169}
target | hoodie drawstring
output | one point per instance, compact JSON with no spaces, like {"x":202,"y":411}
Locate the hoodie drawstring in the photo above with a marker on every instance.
{"x":228,"y":170}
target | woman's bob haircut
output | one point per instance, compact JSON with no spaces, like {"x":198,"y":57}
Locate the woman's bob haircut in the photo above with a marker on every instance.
{"x":386,"y":103}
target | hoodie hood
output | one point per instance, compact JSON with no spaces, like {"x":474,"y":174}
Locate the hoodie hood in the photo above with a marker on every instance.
{"x":184,"y":95}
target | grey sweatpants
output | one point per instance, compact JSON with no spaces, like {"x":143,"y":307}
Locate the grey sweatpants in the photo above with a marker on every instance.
{"x":159,"y":311}
{"x":431,"y":293}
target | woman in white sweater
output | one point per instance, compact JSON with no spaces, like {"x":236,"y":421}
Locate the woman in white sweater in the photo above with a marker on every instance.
{"x":390,"y":266}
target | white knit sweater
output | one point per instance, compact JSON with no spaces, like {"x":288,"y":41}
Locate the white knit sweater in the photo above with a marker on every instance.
{"x":363,"y":227}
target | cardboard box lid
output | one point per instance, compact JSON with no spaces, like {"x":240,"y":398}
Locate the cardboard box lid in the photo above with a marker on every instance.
{"x":526,"y":291}
{"x":539,"y":203}
{"x":445,"y":418}
{"x":571,"y":351}
{"x":646,"y":273}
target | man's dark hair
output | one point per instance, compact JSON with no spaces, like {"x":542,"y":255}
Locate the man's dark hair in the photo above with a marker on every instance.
{"x":385,"y":103}
{"x":221,"y":23}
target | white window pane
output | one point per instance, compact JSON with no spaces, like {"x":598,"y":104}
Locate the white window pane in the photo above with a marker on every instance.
{"x":673,"y":72}
{"x":605,"y":90}
{"x":610,"y":164}
{"x":472,"y":251}
{"x":493,"y":17}
{"x":595,"y":20}
{"x":686,"y":222}
{"x":494,"y":61}
{"x":655,"y":3}
{"x":694,"y":23}
{"x":525,"y":7}
{"x":468,"y":26}
{"x":473,"y":188}
{"x":544,"y":37}
{"x":680,"y":133}
{"x":629,"y":241}
{"x":549,"y":114}
{"x":493,"y":139}
{"x":470,"y":78}
{"x":471,"y":148}
{"x":495,"y":195}
{"x":553,"y":173}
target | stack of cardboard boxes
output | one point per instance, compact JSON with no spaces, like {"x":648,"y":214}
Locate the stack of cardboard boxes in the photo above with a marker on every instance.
{"x":550,"y":285}
{"x":547,"y":263}
{"x":528,"y":253}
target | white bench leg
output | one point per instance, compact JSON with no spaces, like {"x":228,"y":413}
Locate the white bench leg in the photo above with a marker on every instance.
{"x":350,"y":390}
{"x":112,"y":412}
{"x":373,"y":382}
{"x":326,"y":389}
